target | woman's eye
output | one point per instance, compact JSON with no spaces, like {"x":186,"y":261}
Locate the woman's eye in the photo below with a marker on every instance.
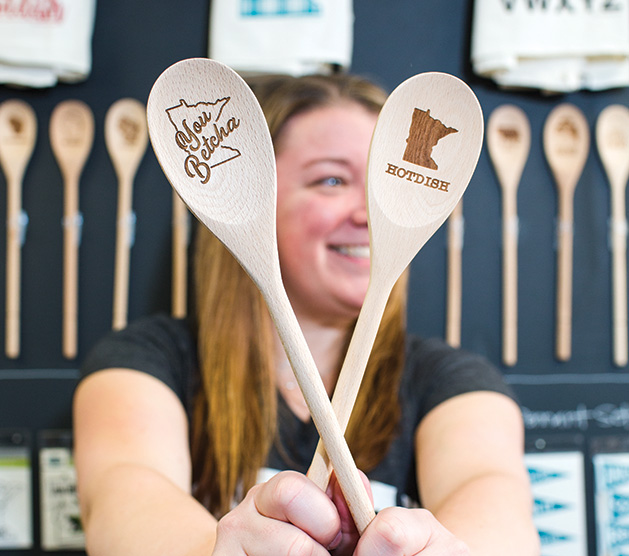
{"x":331,"y":182}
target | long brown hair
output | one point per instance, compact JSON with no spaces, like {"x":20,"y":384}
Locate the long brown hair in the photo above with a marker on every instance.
{"x":234,"y":417}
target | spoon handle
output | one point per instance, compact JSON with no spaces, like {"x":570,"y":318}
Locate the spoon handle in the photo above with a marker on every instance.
{"x":352,"y":372}
{"x":564,"y":275}
{"x":71,"y":229}
{"x":618,"y":233}
{"x":15,"y":226}
{"x":330,"y":425}
{"x":455,"y":247}
{"x":181,"y":235}
{"x":509,"y":276}
{"x":124,"y":234}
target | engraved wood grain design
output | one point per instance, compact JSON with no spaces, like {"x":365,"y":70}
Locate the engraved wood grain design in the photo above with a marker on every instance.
{"x":203,"y":136}
{"x":424,"y":133}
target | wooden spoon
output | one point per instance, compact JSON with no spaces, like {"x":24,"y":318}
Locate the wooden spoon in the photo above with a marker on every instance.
{"x":508,"y":143}
{"x":423,"y":153}
{"x":126,"y":138}
{"x":612,"y":139}
{"x":566,"y":144}
{"x":212,"y":141}
{"x":71,"y":137}
{"x":18,"y":131}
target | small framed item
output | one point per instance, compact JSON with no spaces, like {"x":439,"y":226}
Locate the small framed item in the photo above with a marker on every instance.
{"x":610,"y":459}
{"x":60,"y":517}
{"x":16,"y":510}
{"x":556,"y":470}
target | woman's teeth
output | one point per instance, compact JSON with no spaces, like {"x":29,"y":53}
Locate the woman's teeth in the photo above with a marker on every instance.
{"x":357,"y":251}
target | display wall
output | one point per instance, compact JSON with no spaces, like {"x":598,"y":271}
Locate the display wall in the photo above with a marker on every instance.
{"x":578,"y":407}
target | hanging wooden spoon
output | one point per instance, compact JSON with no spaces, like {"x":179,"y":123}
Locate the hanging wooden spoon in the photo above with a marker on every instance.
{"x":230,"y":186}
{"x":612,"y":139}
{"x":18,"y":131}
{"x":180,"y":242}
{"x":566,"y":144}
{"x":423,"y":153}
{"x":71,"y":137}
{"x":455,"y":271}
{"x":126,"y":138}
{"x":508,"y":143}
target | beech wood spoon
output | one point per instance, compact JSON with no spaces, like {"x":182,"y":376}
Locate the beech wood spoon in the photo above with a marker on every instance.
{"x":18,"y":131}
{"x":508,"y":143}
{"x":566,"y":144}
{"x":126,"y":138}
{"x":212,"y":141}
{"x":612,"y":139}
{"x":71,"y":137}
{"x":423,"y":153}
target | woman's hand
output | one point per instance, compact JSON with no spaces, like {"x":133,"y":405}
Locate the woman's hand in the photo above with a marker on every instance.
{"x":407,"y":532}
{"x":287,"y":515}
{"x":394,"y":532}
{"x":290,"y":515}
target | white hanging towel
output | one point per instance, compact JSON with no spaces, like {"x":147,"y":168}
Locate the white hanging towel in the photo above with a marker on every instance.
{"x":553,"y":45}
{"x":45,"y":41}
{"x":282,"y":36}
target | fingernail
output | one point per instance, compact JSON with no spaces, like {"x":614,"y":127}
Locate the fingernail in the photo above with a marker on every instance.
{"x":337,"y":540}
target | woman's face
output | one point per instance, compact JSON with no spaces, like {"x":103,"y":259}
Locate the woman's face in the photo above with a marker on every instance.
{"x":322,"y":229}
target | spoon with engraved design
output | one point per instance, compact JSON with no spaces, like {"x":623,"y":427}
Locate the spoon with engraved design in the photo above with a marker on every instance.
{"x":508,"y":143}
{"x":71,"y":137}
{"x":212,"y":141}
{"x":612,"y":139}
{"x":566,"y":143}
{"x":423,"y":153}
{"x":18,"y":131}
{"x":126,"y":138}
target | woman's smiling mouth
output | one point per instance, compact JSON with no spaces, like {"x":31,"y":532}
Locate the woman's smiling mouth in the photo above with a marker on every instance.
{"x":355,"y":251}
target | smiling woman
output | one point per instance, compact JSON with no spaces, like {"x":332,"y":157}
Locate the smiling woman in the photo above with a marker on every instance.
{"x":176,"y":421}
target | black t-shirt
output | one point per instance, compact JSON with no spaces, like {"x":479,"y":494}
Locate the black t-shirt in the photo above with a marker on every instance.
{"x":434,"y":372}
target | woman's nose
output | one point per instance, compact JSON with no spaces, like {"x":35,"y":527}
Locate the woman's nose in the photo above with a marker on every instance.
{"x":359,"y":213}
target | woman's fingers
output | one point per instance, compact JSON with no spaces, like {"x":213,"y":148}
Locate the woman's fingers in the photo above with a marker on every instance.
{"x":288,"y":514}
{"x":404,"y":532}
{"x":349,"y":533}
